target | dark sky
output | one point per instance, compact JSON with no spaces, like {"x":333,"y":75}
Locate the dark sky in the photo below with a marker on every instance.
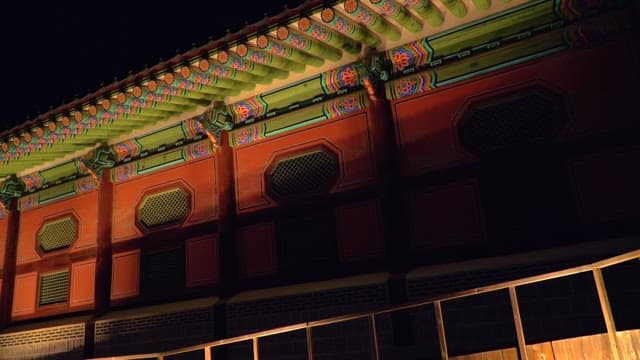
{"x":51,"y":51}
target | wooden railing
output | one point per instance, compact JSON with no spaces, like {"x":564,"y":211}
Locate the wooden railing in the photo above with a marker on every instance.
{"x":436,"y":302}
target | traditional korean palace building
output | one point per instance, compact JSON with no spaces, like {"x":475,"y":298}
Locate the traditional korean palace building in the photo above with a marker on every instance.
{"x":340,"y":158}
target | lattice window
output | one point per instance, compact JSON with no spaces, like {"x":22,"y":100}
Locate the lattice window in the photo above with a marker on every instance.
{"x":54,"y":287}
{"x":163,"y":208}
{"x":313,"y":172}
{"x":58,"y":234}
{"x":520,"y":121}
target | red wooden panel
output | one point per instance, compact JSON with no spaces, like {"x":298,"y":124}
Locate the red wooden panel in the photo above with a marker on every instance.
{"x":203,"y":261}
{"x":82,"y":287}
{"x":425,"y":124}
{"x":257,"y":250}
{"x":83,"y":207}
{"x":3,"y":240}
{"x":125,"y":275}
{"x":197,"y":176}
{"x":24,"y":294}
{"x":446,"y":216}
{"x":360,"y":232}
{"x":348,"y":136}
{"x":606,"y":185}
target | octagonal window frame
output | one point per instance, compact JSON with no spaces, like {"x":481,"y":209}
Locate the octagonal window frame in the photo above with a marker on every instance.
{"x":467,"y":111}
{"x":299,"y":152}
{"x":74,"y":217}
{"x":157,"y":190}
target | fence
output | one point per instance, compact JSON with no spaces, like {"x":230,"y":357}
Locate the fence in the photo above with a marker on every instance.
{"x":511,"y":286}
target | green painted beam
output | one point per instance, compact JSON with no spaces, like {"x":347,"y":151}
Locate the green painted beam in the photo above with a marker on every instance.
{"x":258,"y":55}
{"x":230,"y":59}
{"x":348,"y":27}
{"x":128,"y":99}
{"x":482,"y":4}
{"x":300,"y":41}
{"x":426,"y":10}
{"x":193,"y":73}
{"x":395,"y":11}
{"x":322,"y":33}
{"x":195,"y":90}
{"x":456,"y":7}
{"x":371,"y":19}
{"x":151,"y":92}
{"x":274,"y":47}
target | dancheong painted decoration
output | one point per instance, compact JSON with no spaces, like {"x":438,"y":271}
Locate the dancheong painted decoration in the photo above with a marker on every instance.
{"x":339,"y":158}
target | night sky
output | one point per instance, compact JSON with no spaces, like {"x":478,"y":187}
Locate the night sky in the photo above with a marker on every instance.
{"x":52,"y":52}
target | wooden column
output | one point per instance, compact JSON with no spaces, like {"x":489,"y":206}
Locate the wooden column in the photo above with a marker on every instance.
{"x":396,"y":233}
{"x":606,"y":312}
{"x":226,"y":223}
{"x":517,"y":320}
{"x":309,"y":332}
{"x":227,"y":239}
{"x":102,"y":294}
{"x":9,"y":268}
{"x":444,"y":352}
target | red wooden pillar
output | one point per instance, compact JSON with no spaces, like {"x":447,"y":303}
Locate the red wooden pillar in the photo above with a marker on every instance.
{"x":9,"y":268}
{"x":102,"y":292}
{"x":226,"y":233}
{"x":394,"y":211}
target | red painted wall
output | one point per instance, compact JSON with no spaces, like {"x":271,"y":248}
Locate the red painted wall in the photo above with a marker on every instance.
{"x":24,"y":294}
{"x":348,"y":136}
{"x":257,"y":252}
{"x":445,"y":216}
{"x":82,"y":283}
{"x":196,"y":176}
{"x":125,"y":275}
{"x":606,"y":184}
{"x":203,"y":261}
{"x":360,"y":231}
{"x":426,"y":124}
{"x":85,"y":209}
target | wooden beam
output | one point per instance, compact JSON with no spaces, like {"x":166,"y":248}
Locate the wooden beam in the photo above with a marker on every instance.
{"x":309,"y":332}
{"x":168,"y":86}
{"x":348,"y":27}
{"x":426,"y":10}
{"x":482,"y":4}
{"x":127,"y":98}
{"x":274,"y":47}
{"x":371,"y":19}
{"x":230,"y":59}
{"x":193,"y":73}
{"x":194,"y":88}
{"x":456,"y":7}
{"x":442,"y":338}
{"x":375,"y":350}
{"x":150,"y":92}
{"x":300,"y":41}
{"x":399,"y":14}
{"x":607,"y":314}
{"x":322,"y":33}
{"x":116,"y":107}
{"x":517,"y":321}
{"x":256,"y":349}
{"x":218,"y":69}
{"x":257,"y":55}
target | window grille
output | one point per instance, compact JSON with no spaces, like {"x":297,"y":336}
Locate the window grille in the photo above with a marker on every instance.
{"x":54,"y":287}
{"x":163,"y":208}
{"x":57,"y":234}
{"x":313,"y":172}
